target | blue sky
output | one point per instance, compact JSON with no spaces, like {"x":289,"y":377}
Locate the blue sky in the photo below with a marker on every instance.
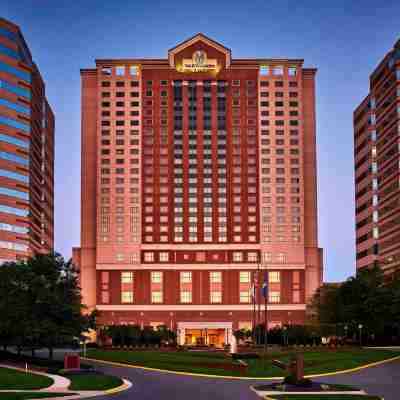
{"x":344,"y":39}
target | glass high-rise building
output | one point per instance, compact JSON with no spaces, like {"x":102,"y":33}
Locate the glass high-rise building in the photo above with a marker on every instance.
{"x":198,"y":179}
{"x":26,"y":152}
{"x":376,"y":155}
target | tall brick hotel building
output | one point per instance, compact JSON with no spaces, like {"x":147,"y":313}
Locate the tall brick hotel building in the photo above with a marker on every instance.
{"x":198,"y":172}
{"x":26,"y":152}
{"x":377,"y":157}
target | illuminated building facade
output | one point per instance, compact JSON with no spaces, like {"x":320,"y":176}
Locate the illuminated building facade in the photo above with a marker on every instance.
{"x":198,"y":171}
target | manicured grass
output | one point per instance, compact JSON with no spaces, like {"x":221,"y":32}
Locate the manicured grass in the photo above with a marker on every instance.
{"x":18,"y":380}
{"x":30,"y":395}
{"x":315,"y":362}
{"x":323,"y":397}
{"x":93,"y":381}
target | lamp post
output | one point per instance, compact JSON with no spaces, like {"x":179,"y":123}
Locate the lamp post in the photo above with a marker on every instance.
{"x":284,"y":335}
{"x":360,"y":328}
{"x":345,"y":331}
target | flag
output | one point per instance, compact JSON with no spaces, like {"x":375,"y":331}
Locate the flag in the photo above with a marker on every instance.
{"x":264,"y":288}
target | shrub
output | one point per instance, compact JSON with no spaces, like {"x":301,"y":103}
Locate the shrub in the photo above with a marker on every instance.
{"x":245,"y":356}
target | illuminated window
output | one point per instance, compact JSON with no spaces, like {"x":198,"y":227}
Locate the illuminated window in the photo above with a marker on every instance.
{"x":156,"y":277}
{"x":244,"y":296}
{"x":274,"y":297}
{"x":252,"y":257}
{"x":119,"y":257}
{"x":281,"y":257}
{"x":149,"y":257}
{"x":127,"y":277}
{"x":215,"y":297}
{"x":186,"y":277}
{"x":215,"y":277}
{"x":126,"y":297}
{"x":274,"y":277}
{"x":267,"y":255}
{"x":156,"y":297}
{"x":244,"y":276}
{"x":164,"y":256}
{"x":237,"y":256}
{"x":186,"y":297}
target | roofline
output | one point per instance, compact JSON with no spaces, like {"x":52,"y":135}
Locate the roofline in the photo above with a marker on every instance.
{"x":202,"y":35}
{"x":101,"y":61}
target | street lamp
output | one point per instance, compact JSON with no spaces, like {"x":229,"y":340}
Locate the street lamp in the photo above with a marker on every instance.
{"x":345,"y":331}
{"x":284,"y":335}
{"x":360,"y":328}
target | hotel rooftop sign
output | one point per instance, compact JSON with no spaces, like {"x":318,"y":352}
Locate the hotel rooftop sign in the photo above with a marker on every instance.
{"x":199,"y":63}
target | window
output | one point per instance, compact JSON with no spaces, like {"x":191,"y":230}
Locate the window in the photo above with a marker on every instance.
{"x":244,"y":296}
{"x":120,"y":70}
{"x":252,"y":257}
{"x":186,"y":277}
{"x":244,"y":276}
{"x":133,"y":70}
{"x":215,"y":277}
{"x":292,"y":71}
{"x":264,"y":70}
{"x":267,"y":254}
{"x":156,"y":296}
{"x":186,"y":296}
{"x":127,"y":277}
{"x":237,"y":256}
{"x":126,"y":297}
{"x":156,"y":277}
{"x":106,"y":70}
{"x":281,"y":257}
{"x":274,"y":297}
{"x":215,"y":297}
{"x":149,"y":257}
{"x":274,"y":277}
{"x":164,"y":256}
{"x":278,"y":70}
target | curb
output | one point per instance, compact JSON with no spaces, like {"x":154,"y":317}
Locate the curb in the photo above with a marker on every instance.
{"x":125,"y":386}
{"x":271,"y":378}
{"x":265,"y":393}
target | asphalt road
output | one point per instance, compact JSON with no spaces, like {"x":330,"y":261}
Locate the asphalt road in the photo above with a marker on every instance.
{"x":382,"y":380}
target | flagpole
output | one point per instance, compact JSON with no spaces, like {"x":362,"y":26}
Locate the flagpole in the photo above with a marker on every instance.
{"x":253,"y":300}
{"x":258,"y":297}
{"x":266,"y":294}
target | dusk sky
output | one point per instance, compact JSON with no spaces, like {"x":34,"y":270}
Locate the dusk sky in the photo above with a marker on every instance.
{"x":343,"y":39}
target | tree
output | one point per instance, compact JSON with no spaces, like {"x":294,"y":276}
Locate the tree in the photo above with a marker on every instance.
{"x":365,"y":299}
{"x":41,"y":304}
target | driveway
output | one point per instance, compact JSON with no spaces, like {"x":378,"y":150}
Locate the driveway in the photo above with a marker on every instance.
{"x":382,"y":380}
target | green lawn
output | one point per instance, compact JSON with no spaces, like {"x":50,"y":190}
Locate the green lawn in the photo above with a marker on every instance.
{"x":17,"y":380}
{"x":30,"y":395}
{"x":93,"y":381}
{"x":323,"y":397}
{"x":315,"y":362}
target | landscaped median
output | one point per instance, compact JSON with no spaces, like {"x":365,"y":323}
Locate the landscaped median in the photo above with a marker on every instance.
{"x":31,"y":395}
{"x":11,"y":379}
{"x":221,"y":364}
{"x":18,"y":384}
